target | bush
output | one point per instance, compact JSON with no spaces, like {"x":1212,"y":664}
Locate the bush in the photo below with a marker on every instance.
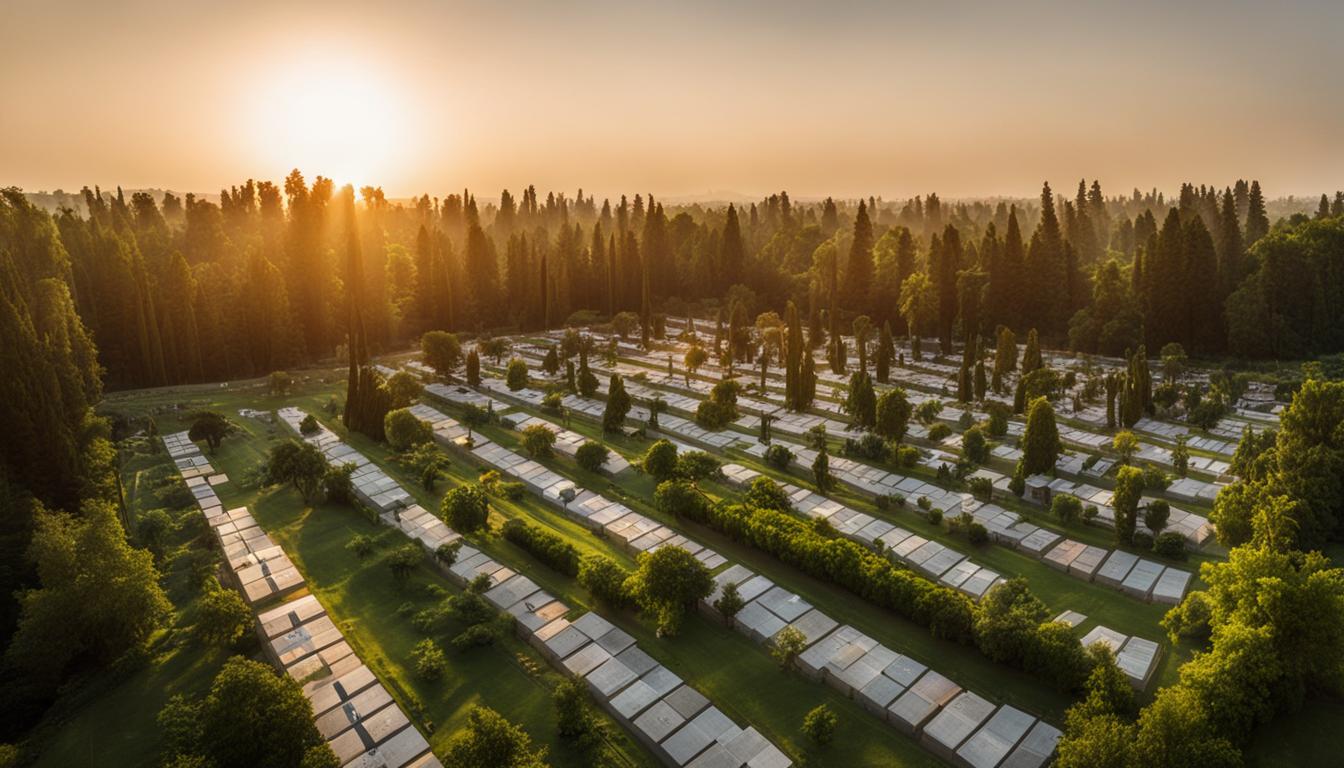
{"x":677,"y":498}
{"x":428,"y":660}
{"x":475,"y":636}
{"x":660,"y":460}
{"x":591,"y":456}
{"x":338,"y":484}
{"x":309,"y":425}
{"x":1190,"y":619}
{"x":403,"y":430}
{"x":1143,"y":540}
{"x":544,"y":545}
{"x":221,"y":616}
{"x":936,"y":516}
{"x":1090,"y":512}
{"x":698,"y":465}
{"x":1170,"y":545}
{"x":1156,"y":515}
{"x":1155,"y":478}
{"x":767,"y":494}
{"x":465,"y":509}
{"x":778,"y":456}
{"x":938,"y":432}
{"x":516,"y":374}
{"x":553,"y":402}
{"x":538,"y":440}
{"x":512,"y":490}
{"x":1066,"y":508}
{"x":360,"y":545}
{"x":403,"y":560}
{"x":982,"y":488}
{"x":924,"y":503}
{"x":907,"y":456}
{"x":869,"y":446}
{"x":605,"y":579}
{"x":975,"y":446}
{"x":977,"y":533}
{"x":819,"y":725}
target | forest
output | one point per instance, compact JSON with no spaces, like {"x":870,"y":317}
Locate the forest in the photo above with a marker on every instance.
{"x":178,"y":290}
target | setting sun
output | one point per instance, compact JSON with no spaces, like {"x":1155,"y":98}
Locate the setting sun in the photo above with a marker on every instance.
{"x":336,"y":116}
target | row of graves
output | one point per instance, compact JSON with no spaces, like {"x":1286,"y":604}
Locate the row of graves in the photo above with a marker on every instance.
{"x":567,"y":441}
{"x":958,"y":725}
{"x":930,"y":712}
{"x":352,"y":710}
{"x":1139,"y":577}
{"x":929,"y":558}
{"x":671,"y":718}
{"x":1196,"y":528}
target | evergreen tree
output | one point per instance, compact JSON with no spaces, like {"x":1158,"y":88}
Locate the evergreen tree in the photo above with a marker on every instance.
{"x":1031,"y":356}
{"x":1257,"y":220}
{"x":885,"y":351}
{"x":618,"y":405}
{"x":1046,"y":272}
{"x":859,"y":269}
{"x":793,"y":365}
{"x":1041,"y":446}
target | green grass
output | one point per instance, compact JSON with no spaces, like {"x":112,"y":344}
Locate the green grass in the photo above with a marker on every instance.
{"x":111,"y":721}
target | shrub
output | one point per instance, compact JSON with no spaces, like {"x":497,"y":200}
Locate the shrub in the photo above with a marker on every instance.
{"x":974,"y":445}
{"x":938,"y":432}
{"x":677,"y":498}
{"x":1066,"y":507}
{"x":428,"y":660}
{"x":475,"y":636}
{"x":465,"y":509}
{"x":1190,"y":619}
{"x":309,"y":425}
{"x":591,"y":456}
{"x":1143,"y":540}
{"x":605,"y":579}
{"x":447,"y":553}
{"x":819,"y":725}
{"x":868,"y":446}
{"x":907,"y":456}
{"x":338,"y":484}
{"x":767,"y":494}
{"x":543,"y":545}
{"x":788,"y":643}
{"x":1090,"y":512}
{"x":660,"y":460}
{"x":403,"y":560}
{"x":538,"y":439}
{"x":516,"y":374}
{"x":512,"y":490}
{"x":1156,"y":515}
{"x":924,"y":503}
{"x":552,"y":402}
{"x":977,"y":533}
{"x":1155,"y":478}
{"x":221,"y":616}
{"x":360,"y":545}
{"x":403,"y":430}
{"x":1170,"y":545}
{"x":778,"y":456}
{"x":982,"y":488}
{"x":698,"y":465}
{"x":936,"y":516}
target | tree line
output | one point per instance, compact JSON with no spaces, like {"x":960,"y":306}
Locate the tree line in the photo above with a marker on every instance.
{"x":185,"y":289}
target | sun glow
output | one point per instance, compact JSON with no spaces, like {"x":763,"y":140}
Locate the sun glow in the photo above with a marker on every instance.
{"x":336,"y":119}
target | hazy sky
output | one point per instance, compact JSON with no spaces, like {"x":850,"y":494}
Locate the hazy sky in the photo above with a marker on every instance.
{"x":679,"y":98}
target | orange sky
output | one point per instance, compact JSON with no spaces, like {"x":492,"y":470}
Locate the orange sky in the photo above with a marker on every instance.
{"x":686,"y":99}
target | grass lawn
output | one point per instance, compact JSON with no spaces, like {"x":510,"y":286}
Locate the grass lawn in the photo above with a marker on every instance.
{"x":737,"y":674}
{"x":112,"y":720}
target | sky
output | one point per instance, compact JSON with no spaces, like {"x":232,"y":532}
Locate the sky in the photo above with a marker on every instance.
{"x":687,"y":99}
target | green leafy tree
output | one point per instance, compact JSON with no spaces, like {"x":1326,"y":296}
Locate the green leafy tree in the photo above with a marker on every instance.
{"x":538,"y":441}
{"x":211,"y":427}
{"x":893,"y":414}
{"x":729,"y":603}
{"x":667,"y":583}
{"x":489,"y":740}
{"x":592,"y":456}
{"x":465,"y":508}
{"x":443,"y":352}
{"x":660,"y":460}
{"x":254,"y":717}
{"x":403,"y":560}
{"x":974,"y":446}
{"x":299,"y":464}
{"x":1125,"y":444}
{"x":787,"y":645}
{"x":404,"y":430}
{"x":819,"y":725}
{"x":405,"y":389}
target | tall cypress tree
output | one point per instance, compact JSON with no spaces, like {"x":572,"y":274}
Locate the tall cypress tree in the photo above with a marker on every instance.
{"x":732,"y":253}
{"x":859,"y":270}
{"x":794,"y":359}
{"x":1257,"y":220}
{"x":885,"y":349}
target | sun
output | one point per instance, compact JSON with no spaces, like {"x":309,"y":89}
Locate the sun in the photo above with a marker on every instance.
{"x":334,"y":118}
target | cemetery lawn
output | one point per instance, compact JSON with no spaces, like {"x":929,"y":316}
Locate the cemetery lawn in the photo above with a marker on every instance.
{"x":112,"y":721}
